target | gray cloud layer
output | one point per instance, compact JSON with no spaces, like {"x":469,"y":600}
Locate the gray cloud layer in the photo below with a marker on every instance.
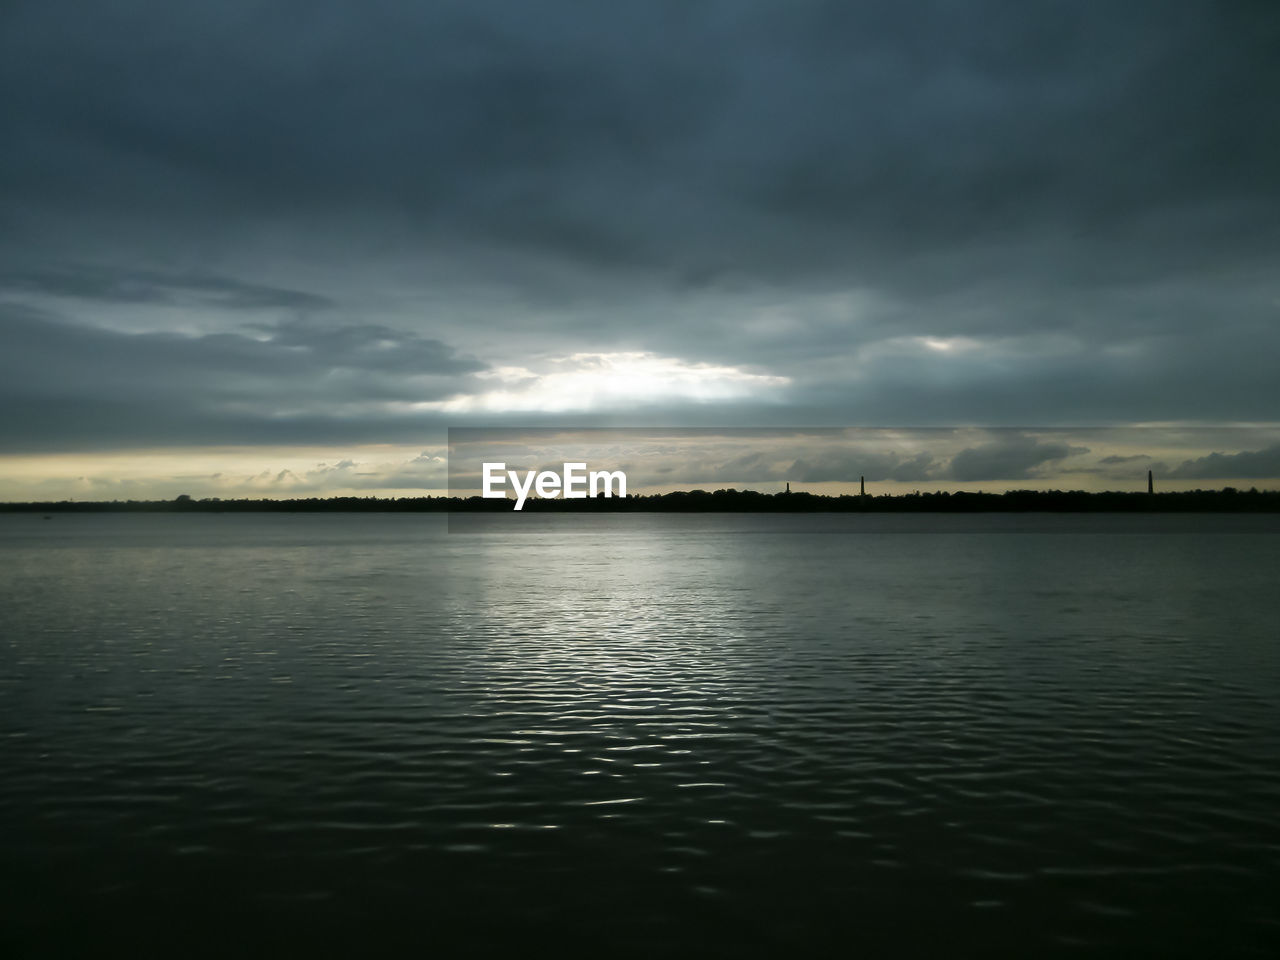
{"x":152,"y":287}
{"x":1247,"y":464}
{"x":257,"y":223}
{"x":296,"y":382}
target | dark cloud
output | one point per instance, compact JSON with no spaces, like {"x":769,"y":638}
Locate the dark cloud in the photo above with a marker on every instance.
{"x":847,"y":138}
{"x":848,"y":466}
{"x":151,"y":287}
{"x":104,"y":388}
{"x":1248,"y":464}
{"x":1113,"y":460}
{"x":989,"y":213}
{"x":1013,"y":457}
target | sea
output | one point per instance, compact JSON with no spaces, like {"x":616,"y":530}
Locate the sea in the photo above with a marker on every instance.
{"x":640,"y":735}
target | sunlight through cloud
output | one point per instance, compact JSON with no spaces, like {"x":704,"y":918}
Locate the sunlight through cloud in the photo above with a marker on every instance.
{"x":596,"y":381}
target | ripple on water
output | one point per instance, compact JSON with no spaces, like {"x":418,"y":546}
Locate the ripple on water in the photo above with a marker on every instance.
{"x":780,"y":741}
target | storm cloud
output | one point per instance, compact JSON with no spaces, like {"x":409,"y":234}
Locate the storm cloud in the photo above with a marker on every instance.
{"x":95,"y":388}
{"x":313,"y":223}
{"x":1247,"y":464}
{"x":1012,"y":458}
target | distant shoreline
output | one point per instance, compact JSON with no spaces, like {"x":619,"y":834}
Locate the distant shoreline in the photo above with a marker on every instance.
{"x":1227,"y":500}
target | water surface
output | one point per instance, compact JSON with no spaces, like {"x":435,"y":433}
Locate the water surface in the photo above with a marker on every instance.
{"x":645,"y":734}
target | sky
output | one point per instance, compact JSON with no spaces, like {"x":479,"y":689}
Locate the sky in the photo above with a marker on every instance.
{"x":278,"y":249}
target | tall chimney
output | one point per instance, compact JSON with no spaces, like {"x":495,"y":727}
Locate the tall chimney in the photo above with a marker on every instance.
{"x":1151,"y":487}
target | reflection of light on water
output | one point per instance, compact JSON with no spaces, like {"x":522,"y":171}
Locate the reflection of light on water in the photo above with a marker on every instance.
{"x":626,"y":675}
{"x":824,"y":728}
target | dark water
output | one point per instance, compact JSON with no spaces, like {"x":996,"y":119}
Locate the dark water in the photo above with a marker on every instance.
{"x":647,"y":735}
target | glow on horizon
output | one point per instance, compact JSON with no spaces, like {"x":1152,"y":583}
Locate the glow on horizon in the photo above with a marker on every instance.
{"x":1102,"y":461}
{"x":227,"y":472}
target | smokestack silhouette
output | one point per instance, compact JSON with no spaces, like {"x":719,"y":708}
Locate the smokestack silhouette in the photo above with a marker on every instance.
{"x":862,"y":483}
{"x":1151,"y":487}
